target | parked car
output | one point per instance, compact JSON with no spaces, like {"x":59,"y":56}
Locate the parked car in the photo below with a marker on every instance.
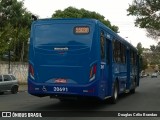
{"x":143,"y":75}
{"x":154,"y":75}
{"x":8,"y":83}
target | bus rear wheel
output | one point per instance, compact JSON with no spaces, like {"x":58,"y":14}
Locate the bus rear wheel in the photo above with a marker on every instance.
{"x":1,"y":93}
{"x":132,"y":91}
{"x":114,"y":98}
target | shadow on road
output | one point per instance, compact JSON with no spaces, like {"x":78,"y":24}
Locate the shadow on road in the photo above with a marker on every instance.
{"x":80,"y":105}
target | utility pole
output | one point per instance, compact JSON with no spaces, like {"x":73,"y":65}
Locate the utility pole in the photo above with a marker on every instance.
{"x":9,"y":56}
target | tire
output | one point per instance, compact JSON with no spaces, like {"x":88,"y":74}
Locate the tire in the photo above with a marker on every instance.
{"x":114,"y":98}
{"x":132,"y":91}
{"x":1,"y":93}
{"x":14,"y":89}
{"x":63,"y":100}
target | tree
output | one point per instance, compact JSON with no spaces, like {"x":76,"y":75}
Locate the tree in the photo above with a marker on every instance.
{"x":15,"y":23}
{"x":147,"y":14}
{"x":155,"y":54}
{"x":140,"y":49}
{"x":72,"y":12}
{"x":152,"y":48}
{"x":143,"y":59}
{"x":5,"y":35}
{"x":13,"y":12}
{"x":144,"y":63}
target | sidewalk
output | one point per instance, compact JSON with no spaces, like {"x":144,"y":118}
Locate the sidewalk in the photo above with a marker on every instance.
{"x":23,"y":88}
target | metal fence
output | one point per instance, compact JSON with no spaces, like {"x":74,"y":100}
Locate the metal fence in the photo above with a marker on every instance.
{"x":19,"y":70}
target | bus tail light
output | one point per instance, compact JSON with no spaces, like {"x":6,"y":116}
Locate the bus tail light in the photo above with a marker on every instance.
{"x":93,"y":72}
{"x":31,"y":71}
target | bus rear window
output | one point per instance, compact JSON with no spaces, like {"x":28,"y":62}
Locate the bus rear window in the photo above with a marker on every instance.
{"x":63,"y":34}
{"x":81,"y":30}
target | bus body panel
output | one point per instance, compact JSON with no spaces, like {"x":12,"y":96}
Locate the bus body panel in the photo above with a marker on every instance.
{"x":67,"y":57}
{"x":63,"y":63}
{"x":61,"y":56}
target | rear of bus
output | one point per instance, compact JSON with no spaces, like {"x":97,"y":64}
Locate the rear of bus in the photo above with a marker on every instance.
{"x":63,"y":59}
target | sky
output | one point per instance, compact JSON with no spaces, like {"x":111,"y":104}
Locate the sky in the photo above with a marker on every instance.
{"x":113,"y":10}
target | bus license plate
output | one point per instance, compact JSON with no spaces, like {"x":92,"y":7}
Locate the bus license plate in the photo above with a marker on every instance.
{"x":60,"y":89}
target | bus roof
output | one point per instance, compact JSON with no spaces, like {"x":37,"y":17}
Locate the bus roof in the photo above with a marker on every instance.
{"x":65,"y":19}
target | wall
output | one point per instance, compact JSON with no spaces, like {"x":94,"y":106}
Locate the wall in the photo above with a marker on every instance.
{"x":19,"y":70}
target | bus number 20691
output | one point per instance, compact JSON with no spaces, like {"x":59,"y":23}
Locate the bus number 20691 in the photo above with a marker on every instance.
{"x":60,"y":89}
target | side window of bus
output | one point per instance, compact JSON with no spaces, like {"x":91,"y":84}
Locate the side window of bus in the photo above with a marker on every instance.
{"x":113,"y":48}
{"x":123,"y":53}
{"x":107,"y":51}
{"x":133,"y":57}
{"x":114,"y":51}
{"x":117,"y":51}
{"x":102,"y":45}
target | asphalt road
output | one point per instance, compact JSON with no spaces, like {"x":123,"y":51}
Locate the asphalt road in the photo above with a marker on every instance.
{"x":146,"y":98}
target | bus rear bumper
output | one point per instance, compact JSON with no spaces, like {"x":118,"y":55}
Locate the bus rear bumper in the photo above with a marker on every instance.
{"x":62,"y":90}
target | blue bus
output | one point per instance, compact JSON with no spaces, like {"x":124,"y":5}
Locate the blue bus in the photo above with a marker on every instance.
{"x":80,"y":58}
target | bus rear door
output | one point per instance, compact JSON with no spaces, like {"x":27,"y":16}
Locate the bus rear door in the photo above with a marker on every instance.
{"x":105,"y":58}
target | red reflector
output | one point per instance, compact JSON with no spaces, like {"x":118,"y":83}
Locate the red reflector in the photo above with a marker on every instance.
{"x":60,"y":80}
{"x":94,"y":69}
{"x":31,"y":70}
